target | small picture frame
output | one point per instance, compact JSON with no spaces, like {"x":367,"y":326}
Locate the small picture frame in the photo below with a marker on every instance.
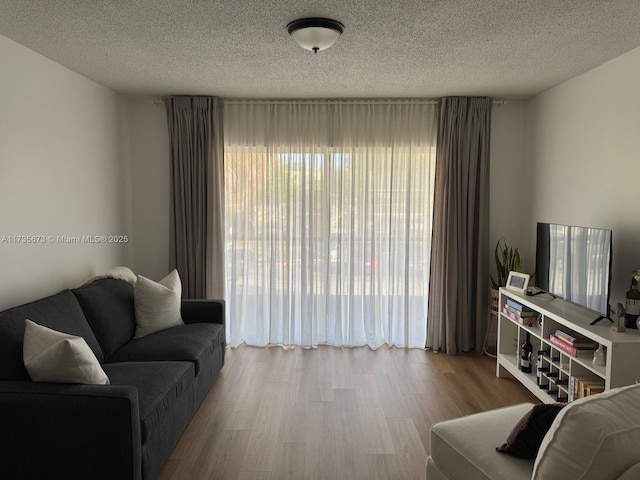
{"x":518,"y":282}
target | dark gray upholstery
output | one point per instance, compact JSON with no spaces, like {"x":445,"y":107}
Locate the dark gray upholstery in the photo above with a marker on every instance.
{"x":125,"y":430}
{"x":69,"y":431}
{"x":163,"y":439}
{"x":193,"y":342}
{"x":159,"y":385}
{"x":209,"y":371}
{"x":202,"y":311}
{"x":60,"y":312}
{"x":108,"y":306}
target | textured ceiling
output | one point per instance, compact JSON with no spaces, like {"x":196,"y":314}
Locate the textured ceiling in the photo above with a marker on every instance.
{"x":390,"y":48}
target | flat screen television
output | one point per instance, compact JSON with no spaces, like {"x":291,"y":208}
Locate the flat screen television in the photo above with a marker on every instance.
{"x":574,"y":263}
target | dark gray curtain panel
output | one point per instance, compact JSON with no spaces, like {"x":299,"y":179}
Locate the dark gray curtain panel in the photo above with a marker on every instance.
{"x":459,"y":278}
{"x":197,"y":194}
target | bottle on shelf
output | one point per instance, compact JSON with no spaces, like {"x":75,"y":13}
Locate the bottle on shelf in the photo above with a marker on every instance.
{"x":632,"y":305}
{"x":543,"y":381}
{"x":525,"y":355}
{"x":541,"y":369}
{"x":545,"y":352}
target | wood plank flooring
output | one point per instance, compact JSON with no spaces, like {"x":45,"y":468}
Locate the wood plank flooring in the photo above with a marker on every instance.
{"x":331,"y":413}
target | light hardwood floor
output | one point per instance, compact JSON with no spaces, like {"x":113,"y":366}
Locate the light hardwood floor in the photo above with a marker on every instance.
{"x":331,"y":413}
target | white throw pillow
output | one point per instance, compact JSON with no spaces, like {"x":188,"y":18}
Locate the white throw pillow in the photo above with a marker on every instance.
{"x":121,"y":273}
{"x":51,"y":356}
{"x":157,"y":305}
{"x":593,"y":438}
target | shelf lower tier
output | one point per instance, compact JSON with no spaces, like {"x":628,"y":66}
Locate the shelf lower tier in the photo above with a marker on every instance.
{"x":509,"y":363}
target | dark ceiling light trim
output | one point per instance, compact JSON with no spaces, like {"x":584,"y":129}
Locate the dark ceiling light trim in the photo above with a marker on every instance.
{"x":315,"y":34}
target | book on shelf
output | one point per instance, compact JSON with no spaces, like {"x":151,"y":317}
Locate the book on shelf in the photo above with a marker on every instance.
{"x":572,"y":388}
{"x":593,"y":389}
{"x":576,"y":340}
{"x":580,"y":387}
{"x":566,"y":348}
{"x":523,"y":313}
{"x":527,"y":321}
{"x":518,"y":306}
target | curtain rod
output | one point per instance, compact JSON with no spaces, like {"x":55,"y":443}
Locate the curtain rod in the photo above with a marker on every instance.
{"x":426,"y":101}
{"x":231,"y":101}
{"x":329,"y":100}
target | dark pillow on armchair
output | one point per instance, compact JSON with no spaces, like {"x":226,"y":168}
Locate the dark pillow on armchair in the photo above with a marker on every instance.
{"x":526,"y":437}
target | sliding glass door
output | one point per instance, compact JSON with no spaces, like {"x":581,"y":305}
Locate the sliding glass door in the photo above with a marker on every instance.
{"x":328,"y":222}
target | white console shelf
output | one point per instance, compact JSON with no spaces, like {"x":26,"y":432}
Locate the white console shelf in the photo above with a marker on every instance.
{"x":622,"y":348}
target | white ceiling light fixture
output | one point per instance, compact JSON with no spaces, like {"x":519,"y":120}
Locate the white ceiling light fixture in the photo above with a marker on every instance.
{"x":315,"y":34}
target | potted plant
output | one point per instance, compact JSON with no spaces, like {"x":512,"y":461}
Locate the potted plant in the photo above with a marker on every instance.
{"x":507,"y":259}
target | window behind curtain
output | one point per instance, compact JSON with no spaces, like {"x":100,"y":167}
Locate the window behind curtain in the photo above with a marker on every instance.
{"x":328,"y":222}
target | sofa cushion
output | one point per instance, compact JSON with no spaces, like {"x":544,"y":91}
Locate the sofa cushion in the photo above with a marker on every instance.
{"x":51,"y":356}
{"x":157,"y":304}
{"x":633,"y":473}
{"x":60,"y":312}
{"x":526,"y":437}
{"x":192,"y":342}
{"x":159,"y":385}
{"x":108,"y":306}
{"x":465,"y":447}
{"x":593,"y":438}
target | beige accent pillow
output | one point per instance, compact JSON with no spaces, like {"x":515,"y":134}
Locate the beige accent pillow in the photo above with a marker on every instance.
{"x":593,"y":438}
{"x":52,"y":356}
{"x":157,"y":305}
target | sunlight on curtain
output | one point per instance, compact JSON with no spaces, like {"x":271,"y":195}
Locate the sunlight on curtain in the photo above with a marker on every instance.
{"x":328,"y":222}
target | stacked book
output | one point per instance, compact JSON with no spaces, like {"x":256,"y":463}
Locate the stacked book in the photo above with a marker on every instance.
{"x":521,"y":313}
{"x":571,"y":343}
{"x":580,"y":387}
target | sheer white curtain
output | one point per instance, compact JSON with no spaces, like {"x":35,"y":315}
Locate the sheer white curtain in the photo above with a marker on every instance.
{"x":328,"y":222}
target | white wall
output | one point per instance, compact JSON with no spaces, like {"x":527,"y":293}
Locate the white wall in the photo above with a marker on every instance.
{"x":150,"y":168}
{"x":63,"y":172}
{"x":584,"y":141}
{"x":510,"y":170}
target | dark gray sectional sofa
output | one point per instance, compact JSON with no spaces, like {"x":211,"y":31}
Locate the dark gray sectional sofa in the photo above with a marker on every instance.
{"x":125,"y":430}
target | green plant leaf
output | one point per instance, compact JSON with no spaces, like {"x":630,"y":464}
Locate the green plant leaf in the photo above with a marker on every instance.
{"x":507,"y":259}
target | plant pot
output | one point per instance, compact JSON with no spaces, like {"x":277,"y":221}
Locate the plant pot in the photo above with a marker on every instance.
{"x":495,"y":296}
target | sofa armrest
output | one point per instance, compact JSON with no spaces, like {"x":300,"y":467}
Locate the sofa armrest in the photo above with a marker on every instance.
{"x":203,"y":311}
{"x":69,"y":431}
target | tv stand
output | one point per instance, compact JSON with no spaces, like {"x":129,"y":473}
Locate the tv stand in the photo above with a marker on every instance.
{"x":561,"y":371}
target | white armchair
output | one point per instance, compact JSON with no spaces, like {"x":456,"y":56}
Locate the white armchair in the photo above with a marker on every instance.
{"x":594,"y":438}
